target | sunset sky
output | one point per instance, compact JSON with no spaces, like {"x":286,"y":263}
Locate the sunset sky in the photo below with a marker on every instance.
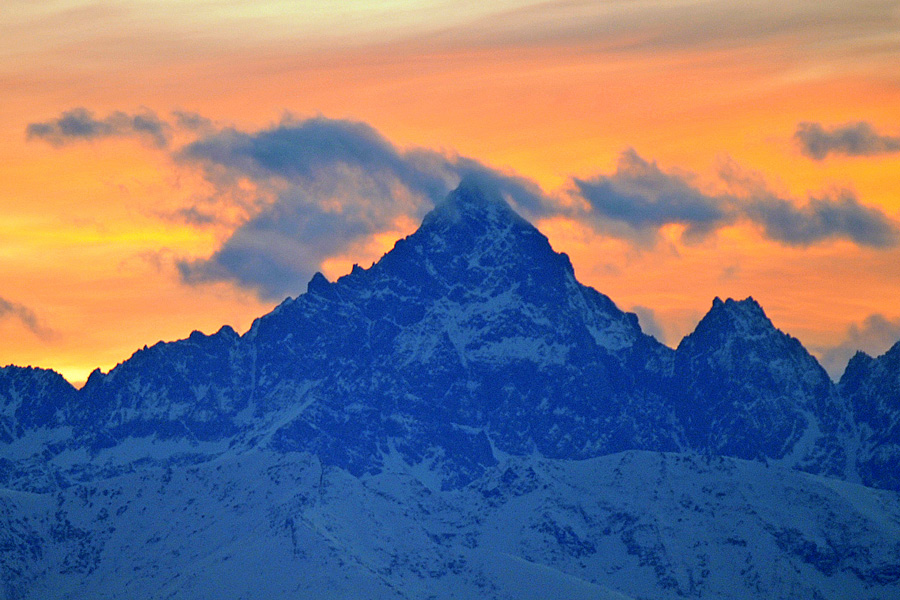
{"x":174,"y":165}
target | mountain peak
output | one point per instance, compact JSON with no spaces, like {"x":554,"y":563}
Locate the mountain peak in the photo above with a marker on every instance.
{"x":749,"y":390}
{"x":474,"y":238}
{"x":744,"y":316}
{"x":318,"y":283}
{"x":746,"y":306}
{"x":476,"y":198}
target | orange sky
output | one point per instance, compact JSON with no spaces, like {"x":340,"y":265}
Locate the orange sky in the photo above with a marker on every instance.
{"x":549,"y":91}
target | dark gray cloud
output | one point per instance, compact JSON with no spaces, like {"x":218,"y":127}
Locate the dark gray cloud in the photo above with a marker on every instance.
{"x":839,"y":216}
{"x":80,"y":124}
{"x":278,"y":250}
{"x":26,"y":317}
{"x":851,"y":139}
{"x":644,"y":198}
{"x":874,"y":336}
{"x":332,"y":184}
{"x":305,"y":150}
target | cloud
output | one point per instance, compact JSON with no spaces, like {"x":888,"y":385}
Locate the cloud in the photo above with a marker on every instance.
{"x":80,"y":124}
{"x":26,"y":317}
{"x":302,"y":150}
{"x":837,"y":216}
{"x":644,"y":198}
{"x":278,"y":250}
{"x":851,"y":139}
{"x":649,"y":322}
{"x":303,"y":191}
{"x":192,"y":121}
{"x":329,"y":184}
{"x":874,"y":336}
{"x":196,"y":216}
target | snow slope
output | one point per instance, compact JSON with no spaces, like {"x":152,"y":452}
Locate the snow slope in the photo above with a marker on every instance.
{"x":630,"y":525}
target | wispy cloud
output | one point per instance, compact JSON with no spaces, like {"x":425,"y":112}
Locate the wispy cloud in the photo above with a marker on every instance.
{"x":80,"y":124}
{"x":192,"y":121}
{"x":851,"y":139}
{"x":25,"y":316}
{"x":644,"y":198}
{"x":625,"y":25}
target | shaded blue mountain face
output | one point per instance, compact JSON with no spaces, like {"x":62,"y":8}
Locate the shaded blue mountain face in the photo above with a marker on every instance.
{"x":471,"y":332}
{"x":35,"y":413}
{"x":190,"y":389}
{"x":470,"y":340}
{"x":32,"y":399}
{"x":471,"y":336}
{"x":872,"y":385}
{"x":745,"y":389}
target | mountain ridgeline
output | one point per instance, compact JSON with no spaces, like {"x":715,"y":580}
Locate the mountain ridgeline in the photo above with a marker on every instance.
{"x":468,"y":341}
{"x":461,"y":420}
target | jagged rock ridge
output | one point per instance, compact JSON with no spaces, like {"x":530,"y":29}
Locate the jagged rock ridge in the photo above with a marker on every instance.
{"x":467,"y":348}
{"x":745,"y":389}
{"x":473,"y":337}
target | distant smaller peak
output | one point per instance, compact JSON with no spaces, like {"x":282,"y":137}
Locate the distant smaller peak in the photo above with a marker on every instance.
{"x":751,"y":307}
{"x":860,"y":356}
{"x":748,"y":301}
{"x":95,"y":377}
{"x":743,"y":315}
{"x":859,"y":365}
{"x":224,"y":332}
{"x":228,"y":331}
{"x":747,"y":305}
{"x":318,"y":284}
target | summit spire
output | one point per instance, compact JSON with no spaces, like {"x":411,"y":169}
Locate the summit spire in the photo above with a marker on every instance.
{"x":476,"y":198}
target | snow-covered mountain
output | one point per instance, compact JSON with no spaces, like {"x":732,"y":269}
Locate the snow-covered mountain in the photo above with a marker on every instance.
{"x":872,"y":385}
{"x":463,"y":419}
{"x":639,"y":524}
{"x":747,"y":390}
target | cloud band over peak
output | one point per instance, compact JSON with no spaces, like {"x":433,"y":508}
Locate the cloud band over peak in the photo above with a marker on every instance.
{"x":334,"y":183}
{"x":312,"y":189}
